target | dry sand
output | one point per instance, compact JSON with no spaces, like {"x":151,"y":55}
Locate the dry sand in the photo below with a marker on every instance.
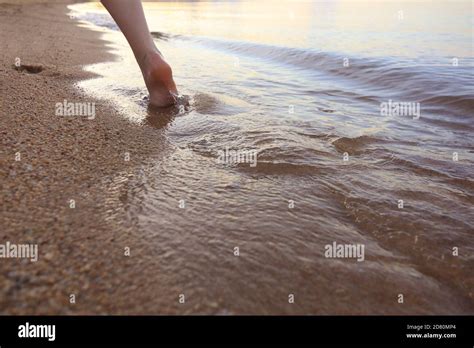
{"x":80,"y":252}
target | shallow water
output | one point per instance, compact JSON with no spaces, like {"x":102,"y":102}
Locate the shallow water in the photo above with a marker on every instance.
{"x":301,"y":84}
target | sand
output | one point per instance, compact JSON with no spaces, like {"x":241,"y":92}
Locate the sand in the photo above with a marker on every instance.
{"x":48,"y":160}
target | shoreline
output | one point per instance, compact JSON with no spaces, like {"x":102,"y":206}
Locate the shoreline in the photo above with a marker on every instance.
{"x":49,"y":161}
{"x":95,"y":197}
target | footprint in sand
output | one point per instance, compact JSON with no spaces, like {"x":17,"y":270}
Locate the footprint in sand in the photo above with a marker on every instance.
{"x":30,"y":68}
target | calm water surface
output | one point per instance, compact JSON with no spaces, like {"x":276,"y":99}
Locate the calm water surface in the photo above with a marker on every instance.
{"x":302,"y":84}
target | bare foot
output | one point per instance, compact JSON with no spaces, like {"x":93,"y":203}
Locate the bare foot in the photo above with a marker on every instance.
{"x":159,"y":80}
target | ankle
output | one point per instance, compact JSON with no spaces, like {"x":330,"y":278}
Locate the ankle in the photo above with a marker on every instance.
{"x":145,"y":59}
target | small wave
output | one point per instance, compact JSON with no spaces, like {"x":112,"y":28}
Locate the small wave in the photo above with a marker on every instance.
{"x":354,"y":146}
{"x":461,"y":102}
{"x":443,"y":170}
{"x":160,"y":36}
{"x":394,"y":75}
{"x":284,"y":168}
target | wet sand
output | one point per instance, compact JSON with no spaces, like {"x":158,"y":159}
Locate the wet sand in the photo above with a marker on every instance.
{"x":64,"y":158}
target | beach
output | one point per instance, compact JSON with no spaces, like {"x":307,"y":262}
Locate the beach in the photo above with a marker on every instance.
{"x":276,"y":191}
{"x":62,"y":159}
